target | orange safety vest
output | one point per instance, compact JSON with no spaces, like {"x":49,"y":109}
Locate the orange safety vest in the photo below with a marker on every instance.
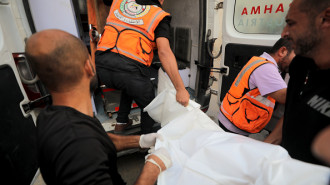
{"x":246,"y":108}
{"x":130,"y":30}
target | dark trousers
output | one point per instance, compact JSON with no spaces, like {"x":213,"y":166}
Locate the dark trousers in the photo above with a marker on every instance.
{"x":134,"y":86}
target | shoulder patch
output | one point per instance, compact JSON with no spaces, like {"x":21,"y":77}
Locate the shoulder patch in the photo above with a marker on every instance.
{"x":132,"y":11}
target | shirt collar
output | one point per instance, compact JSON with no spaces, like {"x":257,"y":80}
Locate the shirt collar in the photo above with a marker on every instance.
{"x":268,"y":57}
{"x":148,"y":2}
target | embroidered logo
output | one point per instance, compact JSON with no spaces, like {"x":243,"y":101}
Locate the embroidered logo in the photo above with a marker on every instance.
{"x":132,"y":10}
{"x":320,"y":104}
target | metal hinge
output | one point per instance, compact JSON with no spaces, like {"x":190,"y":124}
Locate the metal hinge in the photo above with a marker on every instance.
{"x":221,"y":70}
{"x":214,"y":92}
{"x":40,"y":102}
{"x":219,"y":6}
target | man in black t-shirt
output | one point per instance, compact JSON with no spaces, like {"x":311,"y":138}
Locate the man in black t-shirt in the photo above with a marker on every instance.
{"x":125,"y":52}
{"x":307,"y":110}
{"x":73,"y":147}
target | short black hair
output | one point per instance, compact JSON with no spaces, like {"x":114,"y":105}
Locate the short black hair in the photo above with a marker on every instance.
{"x":280,"y":43}
{"x":61,"y":67}
{"x":313,"y":8}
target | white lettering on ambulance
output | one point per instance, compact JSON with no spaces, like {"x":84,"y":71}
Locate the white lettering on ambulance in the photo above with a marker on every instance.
{"x":261,"y":22}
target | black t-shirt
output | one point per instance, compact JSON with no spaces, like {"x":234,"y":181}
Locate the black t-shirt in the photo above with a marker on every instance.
{"x":307,"y":109}
{"x":73,"y":148}
{"x":141,"y":2}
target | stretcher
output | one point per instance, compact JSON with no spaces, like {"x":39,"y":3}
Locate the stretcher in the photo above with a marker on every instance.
{"x":202,"y":153}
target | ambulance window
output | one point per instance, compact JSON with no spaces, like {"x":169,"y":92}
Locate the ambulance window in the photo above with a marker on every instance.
{"x":260,"y":17}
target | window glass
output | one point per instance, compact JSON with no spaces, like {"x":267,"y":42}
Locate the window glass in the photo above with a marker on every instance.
{"x":255,"y":16}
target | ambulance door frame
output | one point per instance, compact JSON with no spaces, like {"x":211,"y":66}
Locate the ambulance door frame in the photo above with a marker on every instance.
{"x":204,"y":62}
{"x":7,"y":60}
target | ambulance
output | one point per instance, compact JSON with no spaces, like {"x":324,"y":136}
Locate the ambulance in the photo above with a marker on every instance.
{"x":248,"y":28}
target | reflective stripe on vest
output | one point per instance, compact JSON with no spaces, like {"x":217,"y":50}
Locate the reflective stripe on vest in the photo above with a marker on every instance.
{"x":262,"y":100}
{"x":246,"y":108}
{"x":130,"y":30}
{"x":127,"y":27}
{"x":246,"y":69}
{"x":132,"y":55}
{"x":153,"y":20}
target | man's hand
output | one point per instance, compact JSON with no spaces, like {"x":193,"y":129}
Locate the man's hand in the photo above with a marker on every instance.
{"x":161,"y":158}
{"x":275,"y":137}
{"x":148,"y":140}
{"x":182,"y":96}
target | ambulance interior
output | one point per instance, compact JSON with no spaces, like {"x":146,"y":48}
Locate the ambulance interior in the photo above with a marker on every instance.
{"x":185,"y":30}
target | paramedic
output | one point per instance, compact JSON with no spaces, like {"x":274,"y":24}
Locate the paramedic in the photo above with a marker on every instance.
{"x":249,"y":103}
{"x":73,"y":147}
{"x":307,"y":110}
{"x":125,"y":51}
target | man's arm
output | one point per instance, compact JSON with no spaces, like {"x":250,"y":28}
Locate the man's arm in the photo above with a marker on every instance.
{"x":279,"y":96}
{"x":135,"y":141}
{"x":275,"y":137}
{"x":157,"y":162}
{"x":150,"y":172}
{"x":269,"y":82}
{"x":168,"y":61}
{"x":124,"y":142}
{"x":321,"y":146}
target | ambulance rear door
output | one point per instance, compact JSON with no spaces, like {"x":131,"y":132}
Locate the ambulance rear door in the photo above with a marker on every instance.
{"x":18,"y":90}
{"x":192,"y":36}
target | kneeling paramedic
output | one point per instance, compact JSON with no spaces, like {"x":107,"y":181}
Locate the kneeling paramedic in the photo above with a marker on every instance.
{"x":248,"y":105}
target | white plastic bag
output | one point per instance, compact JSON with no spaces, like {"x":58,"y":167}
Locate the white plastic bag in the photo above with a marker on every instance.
{"x":203,"y":154}
{"x":167,"y":98}
{"x":164,"y":82}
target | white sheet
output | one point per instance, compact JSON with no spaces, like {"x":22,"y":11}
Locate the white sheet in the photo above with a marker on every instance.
{"x":203,"y":154}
